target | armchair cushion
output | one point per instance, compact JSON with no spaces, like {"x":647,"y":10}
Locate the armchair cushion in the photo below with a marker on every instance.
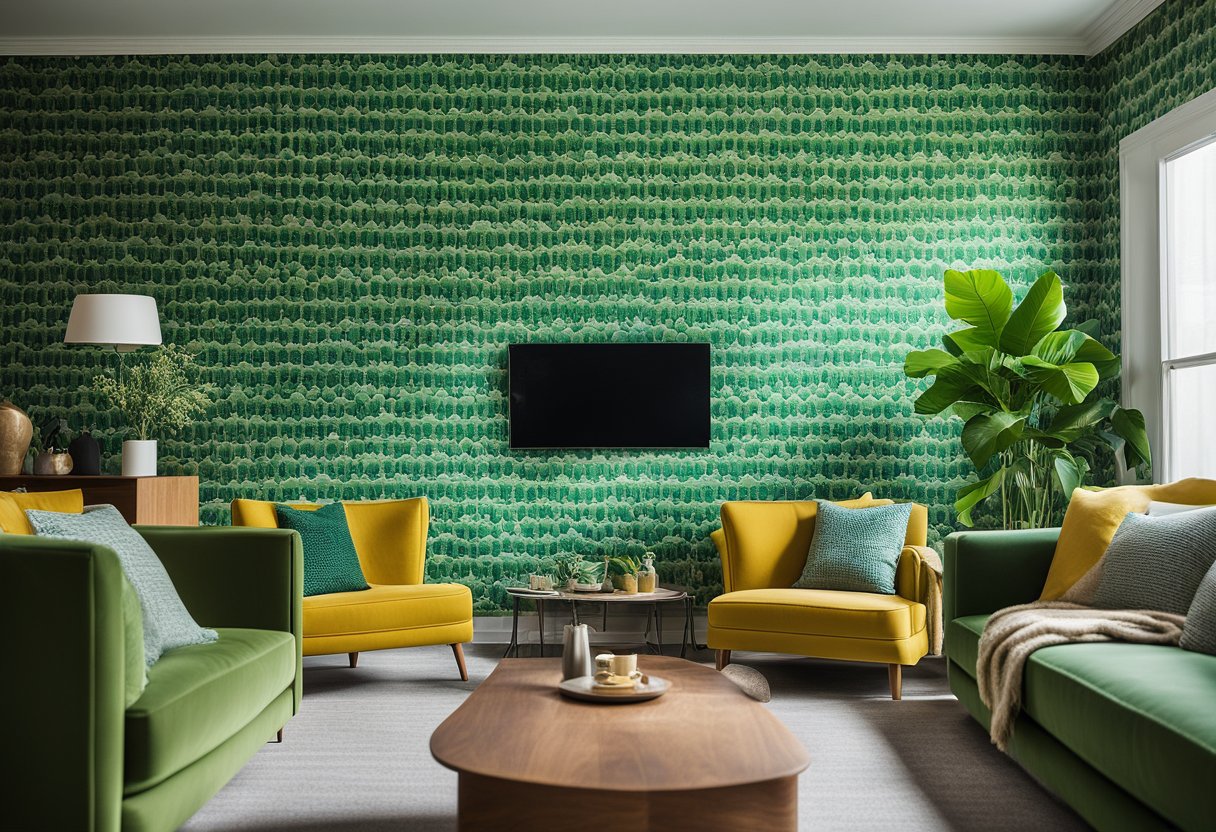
{"x":387,"y":608}
{"x":818,"y":612}
{"x":199,"y":696}
{"x":856,"y":549}
{"x":330,"y":561}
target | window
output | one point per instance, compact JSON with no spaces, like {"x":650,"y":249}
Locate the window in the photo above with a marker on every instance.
{"x":1188,"y":365}
{"x":1167,"y":196}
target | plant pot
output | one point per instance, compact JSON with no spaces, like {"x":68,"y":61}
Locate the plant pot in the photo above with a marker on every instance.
{"x":50,"y":464}
{"x":16,"y":431}
{"x":628,"y":584}
{"x":139,"y":458}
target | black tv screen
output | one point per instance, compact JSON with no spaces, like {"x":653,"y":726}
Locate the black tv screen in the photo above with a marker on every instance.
{"x":609,"y":395}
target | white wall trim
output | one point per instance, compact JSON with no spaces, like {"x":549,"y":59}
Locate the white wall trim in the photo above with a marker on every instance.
{"x":622,"y":629}
{"x":1115,"y":22}
{"x":1142,"y":158}
{"x":1062,"y":45}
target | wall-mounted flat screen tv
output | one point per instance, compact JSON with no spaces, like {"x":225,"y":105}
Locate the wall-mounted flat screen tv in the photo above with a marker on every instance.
{"x":609,"y":395}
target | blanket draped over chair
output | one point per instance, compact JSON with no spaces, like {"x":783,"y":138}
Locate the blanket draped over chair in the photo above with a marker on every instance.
{"x":1012,"y":634}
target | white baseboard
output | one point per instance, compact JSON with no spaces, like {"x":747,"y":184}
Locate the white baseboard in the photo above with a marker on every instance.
{"x":622,"y":629}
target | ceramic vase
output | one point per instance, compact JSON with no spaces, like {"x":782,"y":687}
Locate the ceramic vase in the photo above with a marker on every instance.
{"x":576,"y":652}
{"x":139,"y":458}
{"x":16,"y":431}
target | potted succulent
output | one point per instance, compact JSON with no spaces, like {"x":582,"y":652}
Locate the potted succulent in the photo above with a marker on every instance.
{"x":158,"y":395}
{"x":575,"y":572}
{"x":623,"y":569}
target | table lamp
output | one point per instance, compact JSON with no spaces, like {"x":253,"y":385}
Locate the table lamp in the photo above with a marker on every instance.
{"x":124,"y":322}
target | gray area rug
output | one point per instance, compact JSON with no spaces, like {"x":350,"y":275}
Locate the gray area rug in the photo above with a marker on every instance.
{"x":357,"y":757}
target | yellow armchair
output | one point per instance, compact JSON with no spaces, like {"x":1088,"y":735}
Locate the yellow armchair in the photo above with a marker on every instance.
{"x":399,"y":610}
{"x":764,"y":545}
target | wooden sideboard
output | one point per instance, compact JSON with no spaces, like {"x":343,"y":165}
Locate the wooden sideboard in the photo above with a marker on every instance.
{"x":155,"y":501}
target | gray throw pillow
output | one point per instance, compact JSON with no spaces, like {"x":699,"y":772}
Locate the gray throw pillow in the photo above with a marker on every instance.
{"x":1199,"y":631}
{"x":1156,"y":563}
{"x":167,"y":622}
{"x":856,"y":549}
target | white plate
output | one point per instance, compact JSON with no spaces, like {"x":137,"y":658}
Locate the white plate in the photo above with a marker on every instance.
{"x":539,"y":593}
{"x":581,"y":687}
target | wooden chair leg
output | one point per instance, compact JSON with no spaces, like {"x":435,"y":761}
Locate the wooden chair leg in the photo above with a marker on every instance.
{"x":354,"y":658}
{"x":458,"y":652}
{"x":721,"y":658}
{"x":895,"y":675}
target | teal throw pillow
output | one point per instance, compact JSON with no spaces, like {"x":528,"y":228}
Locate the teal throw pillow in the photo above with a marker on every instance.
{"x":1199,"y":629}
{"x":331,"y":563}
{"x":856,"y":549}
{"x":1157,"y":563}
{"x":166,"y":621}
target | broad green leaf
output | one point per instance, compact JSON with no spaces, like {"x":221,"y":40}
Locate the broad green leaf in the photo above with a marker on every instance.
{"x":965,"y":340}
{"x":1060,"y":347}
{"x":1070,"y":472}
{"x":952,"y":384}
{"x":989,"y":434}
{"x":1129,"y":426}
{"x":968,"y":410}
{"x":1070,"y":383}
{"x":1039,"y":313}
{"x":1105,"y":362}
{"x":1072,"y":420}
{"x":921,"y":363}
{"x":969,"y":496}
{"x":1089,"y":327}
{"x":981,"y":298}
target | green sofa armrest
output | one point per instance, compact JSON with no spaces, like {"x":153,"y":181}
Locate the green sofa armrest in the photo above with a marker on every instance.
{"x":63,"y":698}
{"x":986,"y":571}
{"x":237,"y":577}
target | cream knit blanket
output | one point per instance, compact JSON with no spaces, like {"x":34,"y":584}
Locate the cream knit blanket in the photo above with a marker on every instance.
{"x":1012,"y":634}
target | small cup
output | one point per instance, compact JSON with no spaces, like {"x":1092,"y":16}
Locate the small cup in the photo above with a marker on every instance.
{"x":626,"y":665}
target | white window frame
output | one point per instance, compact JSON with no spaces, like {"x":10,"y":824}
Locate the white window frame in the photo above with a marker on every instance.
{"x":1142,"y":191}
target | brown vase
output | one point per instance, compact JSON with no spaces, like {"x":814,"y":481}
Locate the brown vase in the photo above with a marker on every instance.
{"x":16,"y":431}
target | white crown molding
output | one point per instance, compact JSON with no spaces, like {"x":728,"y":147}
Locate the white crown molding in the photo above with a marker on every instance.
{"x":1115,"y":22}
{"x":545,"y":45}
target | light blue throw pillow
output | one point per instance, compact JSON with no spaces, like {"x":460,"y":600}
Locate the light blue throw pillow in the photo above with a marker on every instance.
{"x":1157,"y":563}
{"x":856,"y":549}
{"x":167,"y":622}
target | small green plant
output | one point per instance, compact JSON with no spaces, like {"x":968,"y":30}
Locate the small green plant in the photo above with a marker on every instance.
{"x":578,"y":568}
{"x":1026,"y":391}
{"x":157,"y":395}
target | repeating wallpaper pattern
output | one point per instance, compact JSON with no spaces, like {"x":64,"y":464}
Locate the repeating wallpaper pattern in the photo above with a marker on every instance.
{"x":352,"y":242}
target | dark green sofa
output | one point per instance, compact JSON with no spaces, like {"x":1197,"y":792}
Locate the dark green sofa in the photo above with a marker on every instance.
{"x":1124,"y":733}
{"x":73,"y":757}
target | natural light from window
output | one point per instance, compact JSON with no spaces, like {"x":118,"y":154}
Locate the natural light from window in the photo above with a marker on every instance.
{"x":1189,"y":362}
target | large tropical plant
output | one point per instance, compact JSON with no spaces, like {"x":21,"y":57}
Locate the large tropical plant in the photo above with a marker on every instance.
{"x":1026,"y":391}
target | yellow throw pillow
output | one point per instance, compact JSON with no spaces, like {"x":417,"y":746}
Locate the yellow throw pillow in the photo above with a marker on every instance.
{"x":1089,"y":525}
{"x":14,"y":503}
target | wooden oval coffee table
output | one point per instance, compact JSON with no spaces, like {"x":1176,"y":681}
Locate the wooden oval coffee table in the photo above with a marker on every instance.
{"x":704,"y":756}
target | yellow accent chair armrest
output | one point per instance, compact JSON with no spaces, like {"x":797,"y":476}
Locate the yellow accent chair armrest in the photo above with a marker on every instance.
{"x":399,"y":609}
{"x":764,"y":545}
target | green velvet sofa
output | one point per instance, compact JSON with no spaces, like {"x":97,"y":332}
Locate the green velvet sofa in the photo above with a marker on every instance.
{"x":73,"y":756}
{"x":1123,"y":733}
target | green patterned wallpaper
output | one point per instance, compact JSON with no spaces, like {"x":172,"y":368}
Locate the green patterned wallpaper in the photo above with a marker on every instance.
{"x":351,"y":242}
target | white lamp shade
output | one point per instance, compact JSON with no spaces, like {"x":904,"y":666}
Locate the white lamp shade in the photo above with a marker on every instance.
{"x":122,"y":321}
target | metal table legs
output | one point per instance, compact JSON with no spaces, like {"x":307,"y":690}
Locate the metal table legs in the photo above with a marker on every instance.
{"x":688,"y":635}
